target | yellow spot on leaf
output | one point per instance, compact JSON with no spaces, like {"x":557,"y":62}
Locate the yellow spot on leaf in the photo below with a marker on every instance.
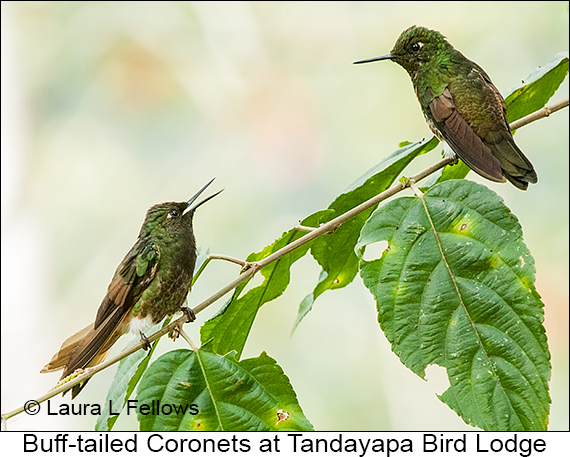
{"x":464,"y":225}
{"x":494,"y":261}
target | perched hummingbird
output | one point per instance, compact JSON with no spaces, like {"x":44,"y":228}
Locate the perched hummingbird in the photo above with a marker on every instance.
{"x":461,"y":105}
{"x":151,"y":282}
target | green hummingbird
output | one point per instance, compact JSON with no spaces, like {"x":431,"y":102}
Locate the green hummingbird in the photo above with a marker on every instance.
{"x":151,"y":282}
{"x":461,"y":105}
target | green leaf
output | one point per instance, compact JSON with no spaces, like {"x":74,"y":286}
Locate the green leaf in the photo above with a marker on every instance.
{"x":537,"y":89}
{"x":129,"y":373}
{"x":462,"y":296}
{"x":226,"y":394}
{"x":335,"y":252}
{"x":229,"y":329}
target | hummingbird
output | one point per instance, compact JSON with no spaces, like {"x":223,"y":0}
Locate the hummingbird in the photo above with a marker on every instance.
{"x":461,"y":106}
{"x":150,"y":283}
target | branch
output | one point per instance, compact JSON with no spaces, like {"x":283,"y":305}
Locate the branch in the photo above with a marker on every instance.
{"x":250,"y":269}
{"x":227,"y":258}
{"x":541,"y":113}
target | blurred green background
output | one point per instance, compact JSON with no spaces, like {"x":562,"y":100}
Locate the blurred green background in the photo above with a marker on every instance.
{"x":109,"y":108}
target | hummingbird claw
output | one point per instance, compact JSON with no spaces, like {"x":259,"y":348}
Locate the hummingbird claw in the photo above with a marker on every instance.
{"x":174,"y":333}
{"x":189,"y":313}
{"x":190,"y":317}
{"x":145,"y":341}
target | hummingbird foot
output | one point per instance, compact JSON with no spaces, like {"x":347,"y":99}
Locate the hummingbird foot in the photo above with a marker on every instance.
{"x":145,"y":341}
{"x":174,"y":333}
{"x":190,"y":316}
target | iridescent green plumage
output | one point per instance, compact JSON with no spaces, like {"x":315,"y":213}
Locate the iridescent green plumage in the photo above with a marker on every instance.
{"x":461,"y":105}
{"x":150,"y":283}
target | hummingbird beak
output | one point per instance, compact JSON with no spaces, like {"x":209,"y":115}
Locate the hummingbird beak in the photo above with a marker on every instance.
{"x":374,"y":59}
{"x":191,"y":207}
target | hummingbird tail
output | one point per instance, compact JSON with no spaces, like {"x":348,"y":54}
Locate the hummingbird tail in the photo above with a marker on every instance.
{"x":522,"y":185}
{"x":95,"y":361}
{"x":87,"y":348}
{"x":516,"y":167}
{"x":68,"y":347}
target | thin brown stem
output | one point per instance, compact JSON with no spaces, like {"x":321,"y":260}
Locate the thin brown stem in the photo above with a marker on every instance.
{"x":184,"y":335}
{"x":227,"y":258}
{"x":303,"y":228}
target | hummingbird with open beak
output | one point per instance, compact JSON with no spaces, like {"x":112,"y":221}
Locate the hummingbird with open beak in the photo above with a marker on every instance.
{"x":461,"y":105}
{"x":151,"y":282}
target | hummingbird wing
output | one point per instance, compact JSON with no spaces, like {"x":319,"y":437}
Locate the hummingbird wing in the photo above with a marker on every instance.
{"x":463,"y":139}
{"x":132,"y":277}
{"x":516,"y":167}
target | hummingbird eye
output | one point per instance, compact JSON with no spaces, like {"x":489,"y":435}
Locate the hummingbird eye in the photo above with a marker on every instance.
{"x":416,"y":46}
{"x":173,"y":213}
